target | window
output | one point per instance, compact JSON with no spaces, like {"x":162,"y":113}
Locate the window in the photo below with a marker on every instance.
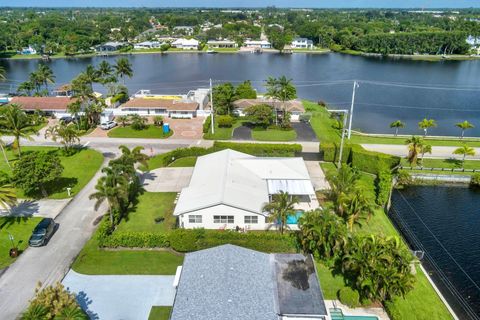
{"x":195,"y":219}
{"x":251,"y":219}
{"x":223,"y":219}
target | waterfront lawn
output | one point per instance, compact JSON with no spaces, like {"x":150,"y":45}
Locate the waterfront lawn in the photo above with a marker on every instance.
{"x":274,"y":135}
{"x":184,"y":162}
{"x":453,"y":141}
{"x":95,"y":261}
{"x":150,"y":205}
{"x":20,"y":228}
{"x":159,"y":313}
{"x":446,"y":163}
{"x":321,"y":123}
{"x":150,"y":132}
{"x":79,"y":169}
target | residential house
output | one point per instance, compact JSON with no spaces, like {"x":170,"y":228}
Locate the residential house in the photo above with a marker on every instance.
{"x":295,"y":107}
{"x":110,"y":46}
{"x":257,"y":44}
{"x":186,"y":44}
{"x":56,"y":106}
{"x":228,"y":190}
{"x":231,"y":282}
{"x":302,"y":43}
{"x":474,"y":43}
{"x":221,"y":44}
{"x":64,"y":90}
{"x":27,"y":51}
{"x":188,"y":30}
{"x":162,"y":107}
{"x":200,"y":96}
{"x":147,"y":45}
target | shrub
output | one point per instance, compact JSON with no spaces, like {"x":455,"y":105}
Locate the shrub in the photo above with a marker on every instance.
{"x":370,"y":161}
{"x":129,"y":239}
{"x":225,"y":121}
{"x":475,"y":180}
{"x":383,"y":186}
{"x":404,"y":178}
{"x":206,"y":124}
{"x":260,"y":149}
{"x":137,"y":122}
{"x":184,"y":240}
{"x":331,"y":152}
{"x":158,"y":121}
{"x":349,"y":297}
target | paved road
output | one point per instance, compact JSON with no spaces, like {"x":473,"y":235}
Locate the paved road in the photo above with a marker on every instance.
{"x":438,"y":152}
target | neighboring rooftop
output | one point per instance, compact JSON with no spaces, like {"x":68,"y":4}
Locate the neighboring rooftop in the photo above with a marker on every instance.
{"x":231,"y":282}
{"x":168,"y":104}
{"x":291,"y":106}
{"x":42,"y":103}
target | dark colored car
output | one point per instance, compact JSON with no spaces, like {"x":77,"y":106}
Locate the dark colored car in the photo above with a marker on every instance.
{"x":42,"y":232}
{"x":66,"y":119}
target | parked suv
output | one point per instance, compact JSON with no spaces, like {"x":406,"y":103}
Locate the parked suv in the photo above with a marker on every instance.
{"x":108,"y":125}
{"x":42,"y":232}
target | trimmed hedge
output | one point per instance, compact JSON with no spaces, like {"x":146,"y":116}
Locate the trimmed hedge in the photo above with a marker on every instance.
{"x":349,"y":297}
{"x":383,"y":186}
{"x":130,"y":239}
{"x":331,"y":151}
{"x":260,"y":149}
{"x":206,"y":124}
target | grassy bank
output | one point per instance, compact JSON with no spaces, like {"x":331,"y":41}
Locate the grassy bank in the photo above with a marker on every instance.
{"x":450,"y":141}
{"x":150,"y":132}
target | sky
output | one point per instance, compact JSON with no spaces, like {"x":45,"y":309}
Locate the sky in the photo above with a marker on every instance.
{"x":248,"y":3}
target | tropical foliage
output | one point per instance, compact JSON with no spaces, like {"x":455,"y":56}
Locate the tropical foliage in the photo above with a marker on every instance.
{"x":465,"y":125}
{"x":15,"y":122}
{"x":66,"y":133}
{"x":426,"y":124}
{"x":281,"y":206}
{"x":397,"y":125}
{"x":464,"y":151}
{"x":415,"y":147}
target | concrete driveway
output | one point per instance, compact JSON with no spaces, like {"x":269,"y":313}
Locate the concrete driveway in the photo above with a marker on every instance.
{"x":115,"y":297}
{"x":317,"y":176}
{"x":38,"y":208}
{"x":167,"y":179}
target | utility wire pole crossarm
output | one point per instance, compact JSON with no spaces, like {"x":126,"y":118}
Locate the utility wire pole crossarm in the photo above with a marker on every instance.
{"x":211,"y":108}
{"x":355,"y":85}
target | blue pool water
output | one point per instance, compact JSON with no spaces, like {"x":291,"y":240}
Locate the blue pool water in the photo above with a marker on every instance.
{"x":293,"y":219}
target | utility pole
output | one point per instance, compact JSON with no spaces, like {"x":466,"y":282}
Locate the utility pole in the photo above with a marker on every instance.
{"x":355,"y":85}
{"x":211,"y":108}
{"x":345,"y":115}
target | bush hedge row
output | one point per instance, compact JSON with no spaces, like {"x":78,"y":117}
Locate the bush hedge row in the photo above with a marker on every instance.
{"x":383,"y":186}
{"x":206,"y":124}
{"x":260,"y":149}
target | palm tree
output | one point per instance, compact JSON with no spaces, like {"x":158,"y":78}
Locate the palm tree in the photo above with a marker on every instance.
{"x":281,"y":89}
{"x":15,"y":122}
{"x":281,"y":206}
{"x":464,"y":151}
{"x":342,"y":183}
{"x":90,"y":75}
{"x":3,"y":73}
{"x":425,"y":124}
{"x":414,"y":149}
{"x":425,"y":148}
{"x":36,"y":79}
{"x":71,"y":313}
{"x":105,"y":72}
{"x":397,"y":125}
{"x":134,"y":155}
{"x":110,"y":188}
{"x":26,"y":88}
{"x":123,"y":68}
{"x":74,"y":109}
{"x":45,"y":74}
{"x":464,"y":126}
{"x":67,"y":134}
{"x":35,"y":312}
{"x":357,"y":205}
{"x":8,"y":196}
{"x":123,"y":120}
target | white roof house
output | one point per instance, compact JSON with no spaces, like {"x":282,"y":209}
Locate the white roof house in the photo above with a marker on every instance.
{"x":302,"y":43}
{"x":147,"y":45}
{"x":230,"y":188}
{"x":261,"y":44}
{"x":186,"y":44}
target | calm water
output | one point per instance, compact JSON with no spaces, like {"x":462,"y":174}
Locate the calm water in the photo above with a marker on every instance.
{"x":377,"y":105}
{"x":445,"y":222}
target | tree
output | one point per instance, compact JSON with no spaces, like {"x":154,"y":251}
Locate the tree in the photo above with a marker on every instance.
{"x":279,"y":38}
{"x":245,"y":91}
{"x":91,"y":75}
{"x":26,"y":88}
{"x":138,"y":122}
{"x":342,"y":183}
{"x":426,"y":124}
{"x":223,"y":98}
{"x":35,"y":312}
{"x":123,"y":120}
{"x":356,"y":205}
{"x":15,"y":122}
{"x":283,"y":90}
{"x":36,"y":170}
{"x":425,"y":148}
{"x":464,"y":151}
{"x":260,"y":115}
{"x":106,"y":72}
{"x":415,"y":145}
{"x":465,"y":125}
{"x":45,"y":74}
{"x":281,"y":206}
{"x":322,"y":233}
{"x":397,"y":125}
{"x":123,"y":68}
{"x":8,"y":196}
{"x":66,"y":133}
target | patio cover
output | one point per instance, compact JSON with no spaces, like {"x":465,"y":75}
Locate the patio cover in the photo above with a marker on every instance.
{"x":293,"y":187}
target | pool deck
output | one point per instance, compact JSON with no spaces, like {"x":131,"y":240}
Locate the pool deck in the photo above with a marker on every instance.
{"x":377,"y":312}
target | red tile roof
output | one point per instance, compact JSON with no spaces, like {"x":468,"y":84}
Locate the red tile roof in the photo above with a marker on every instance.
{"x":42,"y":103}
{"x":171,"y":105}
{"x":292,"y":105}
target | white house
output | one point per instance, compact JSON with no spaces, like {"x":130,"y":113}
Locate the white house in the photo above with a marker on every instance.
{"x":229,"y":189}
{"x":147,"y":45}
{"x":302,"y":43}
{"x":258,"y":44}
{"x":474,"y":43}
{"x":185,"y":44}
{"x":28,"y":50}
{"x":184,"y":29}
{"x":222,"y":44}
{"x":172,"y":108}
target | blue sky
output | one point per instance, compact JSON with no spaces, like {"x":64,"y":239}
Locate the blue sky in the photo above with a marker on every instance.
{"x":248,"y":3}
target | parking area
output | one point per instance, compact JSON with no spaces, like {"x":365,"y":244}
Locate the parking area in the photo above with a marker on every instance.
{"x":304,"y":131}
{"x":167,"y":179}
{"x":37,"y":208}
{"x":113,"y":297}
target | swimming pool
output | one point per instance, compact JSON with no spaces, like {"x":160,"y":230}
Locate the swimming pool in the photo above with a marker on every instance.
{"x":293,"y":218}
{"x":337,"y":314}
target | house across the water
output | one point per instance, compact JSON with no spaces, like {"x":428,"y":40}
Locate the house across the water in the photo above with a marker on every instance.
{"x":231,"y":282}
{"x":110,"y":46}
{"x":228,"y":190}
{"x":218,"y":44}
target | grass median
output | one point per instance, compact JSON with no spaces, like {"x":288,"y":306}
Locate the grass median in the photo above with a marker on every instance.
{"x":150,"y":132}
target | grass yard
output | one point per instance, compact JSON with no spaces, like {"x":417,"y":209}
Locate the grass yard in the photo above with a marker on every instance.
{"x":274,"y":135}
{"x":20,"y":229}
{"x":184,"y":162}
{"x":321,"y":123}
{"x":160,"y":313}
{"x":79,"y":169}
{"x":453,"y":141}
{"x":446,"y":163}
{"x":151,"y":205}
{"x":150,"y":132}
{"x":95,"y":261}
{"x":221,"y":133}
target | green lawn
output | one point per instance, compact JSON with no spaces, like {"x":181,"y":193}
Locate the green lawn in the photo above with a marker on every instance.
{"x":20,"y":229}
{"x":274,"y":135}
{"x":453,"y":141}
{"x":151,"y":132}
{"x":93,"y":260}
{"x":151,"y":205}
{"x":79,"y":169}
{"x":184,"y":162}
{"x":446,"y":163}
{"x":221,"y":133}
{"x":321,"y":122}
{"x":160,"y":313}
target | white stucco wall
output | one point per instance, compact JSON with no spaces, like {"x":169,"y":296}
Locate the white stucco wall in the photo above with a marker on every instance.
{"x":223,"y":210}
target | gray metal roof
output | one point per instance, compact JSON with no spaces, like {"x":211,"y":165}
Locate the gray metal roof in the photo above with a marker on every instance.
{"x":231,"y":282}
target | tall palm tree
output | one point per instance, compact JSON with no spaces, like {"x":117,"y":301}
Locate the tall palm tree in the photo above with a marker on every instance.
{"x":14,"y":121}
{"x":123,"y":68}
{"x":134,"y":155}
{"x":112,"y":189}
{"x":397,"y":125}
{"x":8,"y":196}
{"x":414,"y":149}
{"x":281,"y":206}
{"x":464,"y":126}
{"x":105,"y":72}
{"x":91,"y":75}
{"x":464,"y":151}
{"x":281,"y":89}
{"x":342,"y":183}
{"x":425,"y":148}
{"x":426,"y":124}
{"x":45,"y":74}
{"x":36,"y":79}
{"x":3,"y":73}
{"x":26,"y":88}
{"x":74,"y":109}
{"x":66,"y":133}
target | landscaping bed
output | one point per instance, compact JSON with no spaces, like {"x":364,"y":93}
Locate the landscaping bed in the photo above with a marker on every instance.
{"x":150,"y":132}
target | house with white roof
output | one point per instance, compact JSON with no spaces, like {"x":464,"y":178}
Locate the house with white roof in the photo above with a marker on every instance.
{"x":185,"y":44}
{"x":258,"y":44}
{"x":228,"y":189}
{"x":221,"y":44}
{"x":302,"y":43}
{"x":147,"y":45}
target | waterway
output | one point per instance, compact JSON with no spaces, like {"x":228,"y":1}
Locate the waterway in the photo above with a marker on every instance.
{"x":444,"y":222}
{"x":448,"y":91}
